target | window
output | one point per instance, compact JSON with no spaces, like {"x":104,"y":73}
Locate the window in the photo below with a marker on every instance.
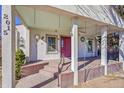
{"x":90,"y":46}
{"x":51,"y":43}
{"x":21,"y":42}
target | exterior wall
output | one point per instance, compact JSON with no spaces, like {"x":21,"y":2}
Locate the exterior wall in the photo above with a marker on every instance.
{"x":51,"y":24}
{"x":83,"y":49}
{"x":23,"y":32}
{"x":38,"y":49}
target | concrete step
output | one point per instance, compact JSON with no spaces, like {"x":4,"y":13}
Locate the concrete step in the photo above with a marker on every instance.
{"x":32,"y":68}
{"x":54,"y":68}
{"x":51,"y":68}
{"x":36,"y":81}
{"x":55,"y":64}
{"x":48,"y":73}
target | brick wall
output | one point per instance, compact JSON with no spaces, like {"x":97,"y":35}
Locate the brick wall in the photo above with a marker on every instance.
{"x":115,"y":67}
{"x":32,"y":68}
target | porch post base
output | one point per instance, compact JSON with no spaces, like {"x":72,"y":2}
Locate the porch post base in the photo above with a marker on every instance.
{"x":75,"y":78}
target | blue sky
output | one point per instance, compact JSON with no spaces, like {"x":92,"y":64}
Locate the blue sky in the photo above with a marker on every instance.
{"x":18,"y":20}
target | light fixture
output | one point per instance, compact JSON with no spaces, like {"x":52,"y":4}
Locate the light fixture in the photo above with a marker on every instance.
{"x":82,"y":39}
{"x":37,"y":37}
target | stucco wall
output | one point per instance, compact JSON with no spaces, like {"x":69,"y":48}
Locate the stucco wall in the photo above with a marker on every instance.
{"x":21,"y":32}
{"x":83,"y":49}
{"x":38,"y":49}
{"x":52,"y":24}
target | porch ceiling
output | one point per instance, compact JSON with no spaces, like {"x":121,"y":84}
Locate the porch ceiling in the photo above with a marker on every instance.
{"x":101,"y":13}
{"x":47,"y":17}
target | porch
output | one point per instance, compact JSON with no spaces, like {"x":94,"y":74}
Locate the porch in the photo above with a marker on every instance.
{"x":41,"y":21}
{"x":88,"y":69}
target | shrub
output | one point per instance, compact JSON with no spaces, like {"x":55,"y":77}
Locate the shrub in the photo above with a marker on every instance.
{"x":20,"y":60}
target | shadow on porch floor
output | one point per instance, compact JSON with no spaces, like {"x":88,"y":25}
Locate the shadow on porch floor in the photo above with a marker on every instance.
{"x":41,"y":79}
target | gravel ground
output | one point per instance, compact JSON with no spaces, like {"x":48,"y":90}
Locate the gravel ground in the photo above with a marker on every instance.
{"x":110,"y":81}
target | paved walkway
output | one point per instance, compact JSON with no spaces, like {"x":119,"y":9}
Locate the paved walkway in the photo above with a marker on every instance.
{"x":37,"y":81}
{"x":40,"y":80}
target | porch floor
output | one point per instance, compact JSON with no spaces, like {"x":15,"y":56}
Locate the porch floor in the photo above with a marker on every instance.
{"x":39,"y":80}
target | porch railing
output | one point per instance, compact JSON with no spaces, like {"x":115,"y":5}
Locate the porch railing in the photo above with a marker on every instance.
{"x":60,"y":66}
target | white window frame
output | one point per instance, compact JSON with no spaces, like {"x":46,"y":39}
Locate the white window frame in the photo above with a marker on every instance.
{"x":88,"y":45}
{"x":56,"y":40}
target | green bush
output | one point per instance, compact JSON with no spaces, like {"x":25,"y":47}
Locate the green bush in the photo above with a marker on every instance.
{"x":20,"y":60}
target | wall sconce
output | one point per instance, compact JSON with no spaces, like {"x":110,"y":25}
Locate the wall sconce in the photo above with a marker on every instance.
{"x":37,"y":37}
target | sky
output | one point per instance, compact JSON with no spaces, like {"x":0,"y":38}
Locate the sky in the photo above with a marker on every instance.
{"x":18,"y":20}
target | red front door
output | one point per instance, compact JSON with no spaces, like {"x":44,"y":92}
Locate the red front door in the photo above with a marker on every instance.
{"x":66,"y":46}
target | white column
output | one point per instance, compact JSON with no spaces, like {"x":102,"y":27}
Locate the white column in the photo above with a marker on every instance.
{"x":74,"y":52}
{"x":27,"y":44}
{"x":8,"y":47}
{"x":104,"y":48}
{"x":121,"y":47}
{"x":17,"y":39}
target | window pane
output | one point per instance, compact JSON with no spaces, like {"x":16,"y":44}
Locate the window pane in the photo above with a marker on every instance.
{"x":90,"y":46}
{"x":52,"y":43}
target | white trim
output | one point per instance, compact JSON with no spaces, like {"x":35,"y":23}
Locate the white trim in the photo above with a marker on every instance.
{"x":104,"y":48}
{"x":121,"y":48}
{"x":74,"y":52}
{"x":8,"y":47}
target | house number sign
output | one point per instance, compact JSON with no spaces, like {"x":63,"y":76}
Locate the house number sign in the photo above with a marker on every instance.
{"x":6,"y":24}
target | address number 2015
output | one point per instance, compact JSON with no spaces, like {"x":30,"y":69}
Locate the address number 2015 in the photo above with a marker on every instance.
{"x":7,"y":24}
